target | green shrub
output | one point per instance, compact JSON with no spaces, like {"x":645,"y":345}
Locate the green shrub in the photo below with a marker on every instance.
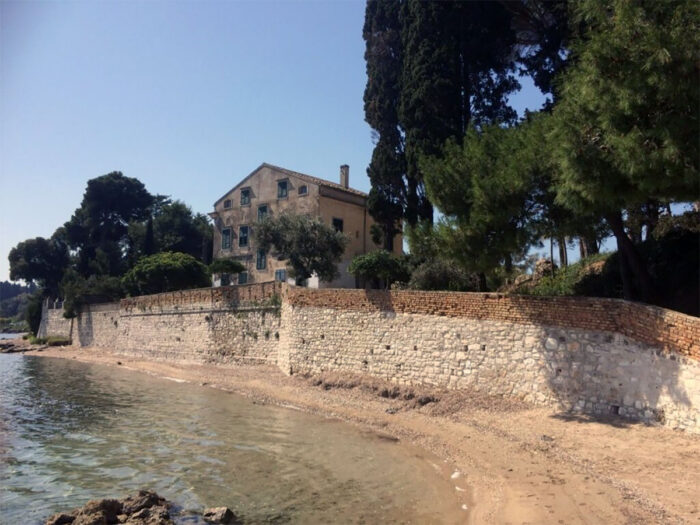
{"x":440,"y":274}
{"x":382,"y":266}
{"x":77,"y":290}
{"x":219,"y":266}
{"x":54,"y":340}
{"x":674,"y":265}
{"x":165,"y":272}
{"x":567,"y":280}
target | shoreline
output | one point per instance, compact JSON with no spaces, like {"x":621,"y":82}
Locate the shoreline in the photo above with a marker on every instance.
{"x":518,"y":464}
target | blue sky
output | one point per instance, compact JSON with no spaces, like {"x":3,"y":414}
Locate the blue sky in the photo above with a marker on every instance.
{"x":188,"y":97}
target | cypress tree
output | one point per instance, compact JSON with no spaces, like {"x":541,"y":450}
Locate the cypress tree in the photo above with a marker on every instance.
{"x":457,"y":71}
{"x":383,"y":55}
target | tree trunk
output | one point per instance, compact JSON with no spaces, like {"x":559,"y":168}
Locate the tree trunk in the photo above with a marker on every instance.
{"x":551,"y":255}
{"x":583,"y":252}
{"x":652,"y":217}
{"x":637,"y":268}
{"x":509,"y":264}
{"x":482,"y":282}
{"x":563,"y":257}
{"x":591,"y":244}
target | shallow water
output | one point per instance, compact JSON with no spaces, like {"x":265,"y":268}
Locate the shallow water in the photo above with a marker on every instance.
{"x":72,"y":431}
{"x":13,"y":335}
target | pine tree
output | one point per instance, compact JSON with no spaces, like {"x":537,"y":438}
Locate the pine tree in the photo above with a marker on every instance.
{"x":626,"y":129}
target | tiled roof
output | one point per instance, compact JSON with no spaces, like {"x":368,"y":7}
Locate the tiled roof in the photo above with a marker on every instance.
{"x":303,"y":176}
{"x":315,"y":180}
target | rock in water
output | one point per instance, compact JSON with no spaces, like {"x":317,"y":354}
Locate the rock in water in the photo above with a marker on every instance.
{"x":60,"y":519}
{"x":144,"y":508}
{"x":220,"y":515}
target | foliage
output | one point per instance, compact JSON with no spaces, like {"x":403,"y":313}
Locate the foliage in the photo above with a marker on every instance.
{"x":688,"y":221}
{"x":33,"y":311}
{"x":309,"y":246}
{"x":77,"y":290}
{"x":165,"y":272}
{"x":457,"y":71}
{"x":422,"y":242}
{"x":117,"y":223}
{"x":231,"y":266}
{"x":98,"y":230}
{"x":13,"y":325}
{"x":442,"y":274}
{"x":380,"y":265}
{"x":9,"y":290}
{"x":40,"y":261}
{"x":487,"y":194}
{"x":54,"y":340}
{"x":673,"y":260}
{"x":387,"y":196}
{"x":566,"y":280}
{"x":432,"y":69}
{"x":14,"y":299}
{"x":15,"y":306}
{"x":626,"y":128}
{"x":172,"y":228}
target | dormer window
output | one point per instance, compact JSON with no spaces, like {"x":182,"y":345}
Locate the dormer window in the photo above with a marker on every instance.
{"x":282,"y":189}
{"x":227,"y":204}
{"x":245,"y":196}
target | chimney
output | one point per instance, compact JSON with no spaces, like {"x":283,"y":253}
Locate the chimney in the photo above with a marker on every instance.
{"x":345,"y":176}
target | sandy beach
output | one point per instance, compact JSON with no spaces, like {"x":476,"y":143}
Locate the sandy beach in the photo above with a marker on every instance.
{"x":518,"y":464}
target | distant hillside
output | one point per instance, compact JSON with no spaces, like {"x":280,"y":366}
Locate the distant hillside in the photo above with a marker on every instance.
{"x":9,"y":290}
{"x":14,"y":298}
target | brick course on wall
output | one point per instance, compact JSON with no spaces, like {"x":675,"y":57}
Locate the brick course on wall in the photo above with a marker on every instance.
{"x":668,"y":330}
{"x":597,"y":356}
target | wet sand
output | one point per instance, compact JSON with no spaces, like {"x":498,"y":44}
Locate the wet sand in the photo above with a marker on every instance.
{"x":518,"y":464}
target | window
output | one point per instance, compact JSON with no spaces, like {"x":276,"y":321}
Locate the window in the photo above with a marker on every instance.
{"x":243,"y":278}
{"x":245,"y":196}
{"x":281,"y":275}
{"x":226,"y":239}
{"x":225,"y":279}
{"x":243,"y":236}
{"x":338,"y":225}
{"x":227,"y":204}
{"x":282,"y":189}
{"x":262,"y":212}
{"x":303,"y":190}
{"x":261,"y":261}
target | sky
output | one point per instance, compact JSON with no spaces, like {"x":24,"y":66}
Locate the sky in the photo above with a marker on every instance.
{"x":188,"y":97}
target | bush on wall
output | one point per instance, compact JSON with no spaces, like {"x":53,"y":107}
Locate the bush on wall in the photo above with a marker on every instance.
{"x":165,"y":272}
{"x":381,"y":266}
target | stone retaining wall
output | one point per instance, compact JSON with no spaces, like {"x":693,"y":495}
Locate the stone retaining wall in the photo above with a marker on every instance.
{"x":665,"y":329}
{"x":53,"y":323}
{"x":596,"y":356}
{"x":98,"y":325}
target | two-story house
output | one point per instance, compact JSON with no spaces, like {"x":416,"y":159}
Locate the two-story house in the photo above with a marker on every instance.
{"x":271,"y":190}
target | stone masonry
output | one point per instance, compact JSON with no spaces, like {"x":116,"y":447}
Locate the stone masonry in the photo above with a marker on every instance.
{"x":587,"y":355}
